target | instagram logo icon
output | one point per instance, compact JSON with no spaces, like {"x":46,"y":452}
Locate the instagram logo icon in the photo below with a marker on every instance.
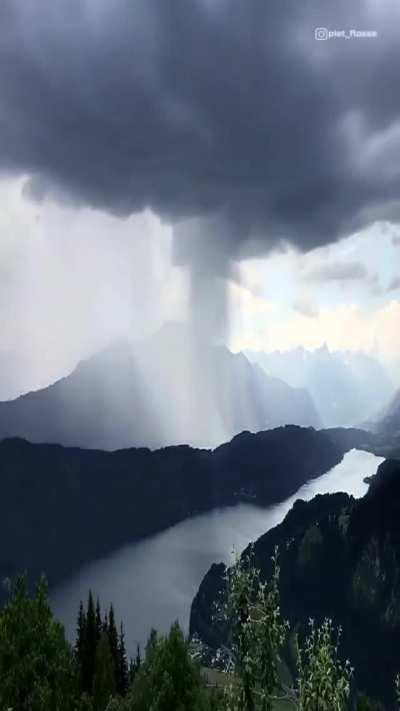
{"x":321,"y":33}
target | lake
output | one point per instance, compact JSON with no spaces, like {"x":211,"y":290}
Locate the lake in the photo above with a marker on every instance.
{"x":152,"y":583}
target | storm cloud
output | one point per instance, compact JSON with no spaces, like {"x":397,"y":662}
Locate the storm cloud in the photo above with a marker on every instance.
{"x":337,"y":271}
{"x":199,"y":109}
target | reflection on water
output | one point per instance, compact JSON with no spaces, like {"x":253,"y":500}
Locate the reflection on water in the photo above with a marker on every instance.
{"x":152,"y":583}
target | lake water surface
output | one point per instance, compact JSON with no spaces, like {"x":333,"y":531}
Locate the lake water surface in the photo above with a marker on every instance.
{"x":152,"y":583}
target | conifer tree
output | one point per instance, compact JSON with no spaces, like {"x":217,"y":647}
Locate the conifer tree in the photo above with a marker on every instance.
{"x":122,"y":672}
{"x":98,"y":620}
{"x":104,"y":677}
{"x":80,"y":643}
{"x":104,"y":626}
{"x":80,"y":631}
{"x":132,"y":671}
{"x":138,"y":659}
{"x":113,"y":639}
{"x":89,"y":653}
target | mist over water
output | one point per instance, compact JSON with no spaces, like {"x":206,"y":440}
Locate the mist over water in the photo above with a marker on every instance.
{"x":152,"y":583}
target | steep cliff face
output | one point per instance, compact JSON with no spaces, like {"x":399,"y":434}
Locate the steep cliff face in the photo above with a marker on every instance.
{"x":339,"y":558}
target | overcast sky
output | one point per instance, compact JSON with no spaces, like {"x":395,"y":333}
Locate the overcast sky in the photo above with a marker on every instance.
{"x":190,"y":158}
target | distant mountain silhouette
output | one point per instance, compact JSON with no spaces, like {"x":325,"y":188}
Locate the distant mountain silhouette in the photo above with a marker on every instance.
{"x":339,"y":558}
{"x":62,"y":507}
{"x":347,"y":387}
{"x":387,"y":421}
{"x":168,"y":389}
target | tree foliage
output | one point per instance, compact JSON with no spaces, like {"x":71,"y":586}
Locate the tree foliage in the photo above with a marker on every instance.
{"x":104,"y":683}
{"x":257,"y":633}
{"x":92,"y":629}
{"x":364,"y":703}
{"x":251,"y":610}
{"x":37,"y":667}
{"x":323,"y":680}
{"x":168,"y":679}
{"x":39,"y":670}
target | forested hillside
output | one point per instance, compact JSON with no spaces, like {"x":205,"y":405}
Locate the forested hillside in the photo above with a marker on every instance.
{"x":339,"y":558}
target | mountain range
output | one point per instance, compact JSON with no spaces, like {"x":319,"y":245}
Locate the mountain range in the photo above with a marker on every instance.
{"x":168,"y":389}
{"x":347,"y":387}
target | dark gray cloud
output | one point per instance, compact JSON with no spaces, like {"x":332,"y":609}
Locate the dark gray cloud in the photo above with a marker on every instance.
{"x":198,"y":108}
{"x":337,"y":271}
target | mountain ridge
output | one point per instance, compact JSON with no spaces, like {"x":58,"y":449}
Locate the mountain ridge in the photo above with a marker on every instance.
{"x":123,"y":397}
{"x":347,"y":387}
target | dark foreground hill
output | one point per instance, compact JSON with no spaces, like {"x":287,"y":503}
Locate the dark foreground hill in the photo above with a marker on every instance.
{"x":163,"y":391}
{"x":60,"y":507}
{"x":339,"y":558}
